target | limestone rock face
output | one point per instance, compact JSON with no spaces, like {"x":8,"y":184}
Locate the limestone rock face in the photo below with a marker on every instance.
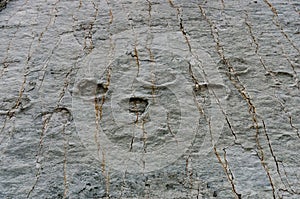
{"x":149,"y":99}
{"x":3,"y":4}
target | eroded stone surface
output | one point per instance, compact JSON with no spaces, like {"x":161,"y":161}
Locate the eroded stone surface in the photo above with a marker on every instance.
{"x":149,"y":99}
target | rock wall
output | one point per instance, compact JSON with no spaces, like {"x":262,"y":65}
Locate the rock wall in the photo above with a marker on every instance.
{"x":149,"y":99}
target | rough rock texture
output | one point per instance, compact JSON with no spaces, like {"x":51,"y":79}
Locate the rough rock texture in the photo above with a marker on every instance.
{"x":3,"y":4}
{"x":149,"y":99}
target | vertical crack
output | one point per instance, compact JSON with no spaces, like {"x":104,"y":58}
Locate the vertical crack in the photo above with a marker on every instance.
{"x":53,"y":12}
{"x":136,"y":56}
{"x":88,"y":37}
{"x":15,"y":107}
{"x":200,"y":109}
{"x":39,"y":155}
{"x":148,"y":47}
{"x":75,"y":20}
{"x":261,"y":156}
{"x":189,"y":170}
{"x":100,"y":100}
{"x":276,"y":80}
{"x":46,"y":118}
{"x":144,"y":138}
{"x":242,"y":90}
{"x":111,"y":16}
{"x":65,"y":86}
{"x":230,"y":174}
{"x":279,"y":26}
{"x":135,"y":50}
{"x":98,"y":117}
{"x":111,"y":43}
{"x":80,"y":4}
{"x":293,"y":126}
{"x":169,"y":128}
{"x":271,"y":150}
{"x":255,"y":41}
{"x":224,"y":165}
{"x":182,"y":29}
{"x":66,"y":187}
{"x":288,"y":182}
{"x":289,"y":116}
{"x":223,"y":4}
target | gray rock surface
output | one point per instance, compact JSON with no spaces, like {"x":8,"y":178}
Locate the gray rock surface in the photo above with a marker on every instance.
{"x":3,"y":4}
{"x":149,"y":99}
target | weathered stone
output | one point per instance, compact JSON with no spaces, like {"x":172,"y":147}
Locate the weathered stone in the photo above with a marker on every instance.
{"x":149,"y":99}
{"x":3,"y":4}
